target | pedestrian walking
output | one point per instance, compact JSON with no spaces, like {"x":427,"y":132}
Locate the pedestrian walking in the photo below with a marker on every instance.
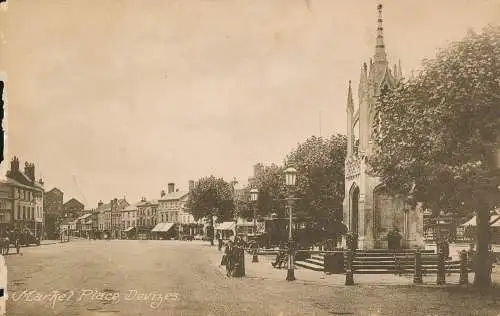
{"x":229,"y":261}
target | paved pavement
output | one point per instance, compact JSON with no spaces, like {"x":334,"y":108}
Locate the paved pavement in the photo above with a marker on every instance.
{"x":183,"y":278}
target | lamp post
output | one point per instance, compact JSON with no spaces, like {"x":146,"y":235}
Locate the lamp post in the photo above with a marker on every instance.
{"x":254,"y":193}
{"x":290,"y":181}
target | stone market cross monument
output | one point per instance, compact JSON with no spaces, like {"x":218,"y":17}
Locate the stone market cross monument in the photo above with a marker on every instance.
{"x":368,"y":209}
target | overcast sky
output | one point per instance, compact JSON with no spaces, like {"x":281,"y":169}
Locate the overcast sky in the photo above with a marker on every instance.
{"x":113,"y":98}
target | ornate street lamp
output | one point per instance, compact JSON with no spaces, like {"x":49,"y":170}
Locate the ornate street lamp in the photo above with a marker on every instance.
{"x":290,"y":181}
{"x":254,"y":194}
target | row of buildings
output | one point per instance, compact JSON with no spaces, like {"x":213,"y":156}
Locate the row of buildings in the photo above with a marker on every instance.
{"x":25,"y":205}
{"x":162,"y":218}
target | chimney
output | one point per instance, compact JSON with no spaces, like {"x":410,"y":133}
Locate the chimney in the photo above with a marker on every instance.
{"x":29,"y":170}
{"x":162,"y":194}
{"x":171,"y":187}
{"x":99,"y":204}
{"x":191,"y":185}
{"x":32,"y":172}
{"x":40,"y":181}
{"x":14,"y":165}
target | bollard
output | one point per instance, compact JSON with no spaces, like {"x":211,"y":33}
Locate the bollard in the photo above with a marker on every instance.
{"x":441,"y":273}
{"x":464,"y":270}
{"x":255,"y":257}
{"x":349,"y":276}
{"x":417,"y":274}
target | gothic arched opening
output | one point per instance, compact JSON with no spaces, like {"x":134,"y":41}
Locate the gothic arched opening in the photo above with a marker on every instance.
{"x":354,"y":207}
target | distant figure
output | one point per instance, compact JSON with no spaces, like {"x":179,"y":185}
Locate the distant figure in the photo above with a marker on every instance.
{"x":229,"y":261}
{"x":394,"y":239}
{"x":219,"y":240}
{"x":280,"y":257}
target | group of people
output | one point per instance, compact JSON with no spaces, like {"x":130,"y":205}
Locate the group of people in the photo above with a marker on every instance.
{"x":10,"y":237}
{"x":281,"y":257}
{"x":234,"y":257}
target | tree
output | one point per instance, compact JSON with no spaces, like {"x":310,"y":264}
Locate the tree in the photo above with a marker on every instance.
{"x":211,"y":197}
{"x":320,"y":176}
{"x":435,"y":133}
{"x":270,"y":183}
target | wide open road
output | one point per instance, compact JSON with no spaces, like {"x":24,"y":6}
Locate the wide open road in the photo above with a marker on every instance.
{"x":129,"y":277}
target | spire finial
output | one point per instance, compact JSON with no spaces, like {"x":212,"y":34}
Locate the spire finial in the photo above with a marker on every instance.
{"x":380,"y":55}
{"x":350,"y":103}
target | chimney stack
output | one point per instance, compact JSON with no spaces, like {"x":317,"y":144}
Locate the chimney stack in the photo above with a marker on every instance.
{"x":41,"y":182}
{"x":14,"y":165}
{"x":99,"y":204}
{"x":162,"y":194}
{"x":171,"y":187}
{"x":29,"y":170}
{"x":191,"y":185}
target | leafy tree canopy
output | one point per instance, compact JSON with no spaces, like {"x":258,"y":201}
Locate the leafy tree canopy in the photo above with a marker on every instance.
{"x":434,"y":133}
{"x":211,"y":196}
{"x":320,"y":176}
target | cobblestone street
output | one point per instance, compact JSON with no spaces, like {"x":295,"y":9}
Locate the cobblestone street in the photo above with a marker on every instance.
{"x":183,"y":278}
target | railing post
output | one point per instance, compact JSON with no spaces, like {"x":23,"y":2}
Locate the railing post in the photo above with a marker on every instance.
{"x":417,"y":274}
{"x":349,"y":276}
{"x":441,"y":273}
{"x":464,"y":270}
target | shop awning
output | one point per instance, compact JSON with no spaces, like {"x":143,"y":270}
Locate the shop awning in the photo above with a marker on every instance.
{"x":163,"y":227}
{"x":494,"y":221}
{"x":129,"y":229}
{"x":225,"y":226}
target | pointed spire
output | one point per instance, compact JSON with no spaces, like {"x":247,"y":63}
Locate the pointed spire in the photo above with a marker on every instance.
{"x":363,"y":81}
{"x":380,"y":55}
{"x":350,"y":103}
{"x":400,"y":70}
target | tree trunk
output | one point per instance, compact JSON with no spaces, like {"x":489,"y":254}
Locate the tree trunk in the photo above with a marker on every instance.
{"x":482,"y":266}
{"x":212,"y":233}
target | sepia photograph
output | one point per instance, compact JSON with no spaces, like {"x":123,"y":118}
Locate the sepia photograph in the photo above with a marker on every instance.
{"x":250,"y":157}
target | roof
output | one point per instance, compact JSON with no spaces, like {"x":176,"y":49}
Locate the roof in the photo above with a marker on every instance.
{"x":494,"y":221}
{"x":174,"y":196}
{"x":73,"y":200}
{"x":225,"y":226}
{"x":162,"y":227}
{"x":132,"y":207}
{"x":129,"y":229}
{"x":19,"y":184}
{"x":85,"y":216}
{"x":55,"y":189}
{"x":147,"y":203}
{"x":103,"y":208}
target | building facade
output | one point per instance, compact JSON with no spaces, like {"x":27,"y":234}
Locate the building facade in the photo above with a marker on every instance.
{"x":73,"y":208}
{"x":147,"y":213}
{"x":6,"y":205}
{"x":172,"y":209}
{"x":53,"y":211}
{"x":115,"y":213}
{"x":27,"y":198}
{"x":129,"y":221}
{"x":368,"y":209}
